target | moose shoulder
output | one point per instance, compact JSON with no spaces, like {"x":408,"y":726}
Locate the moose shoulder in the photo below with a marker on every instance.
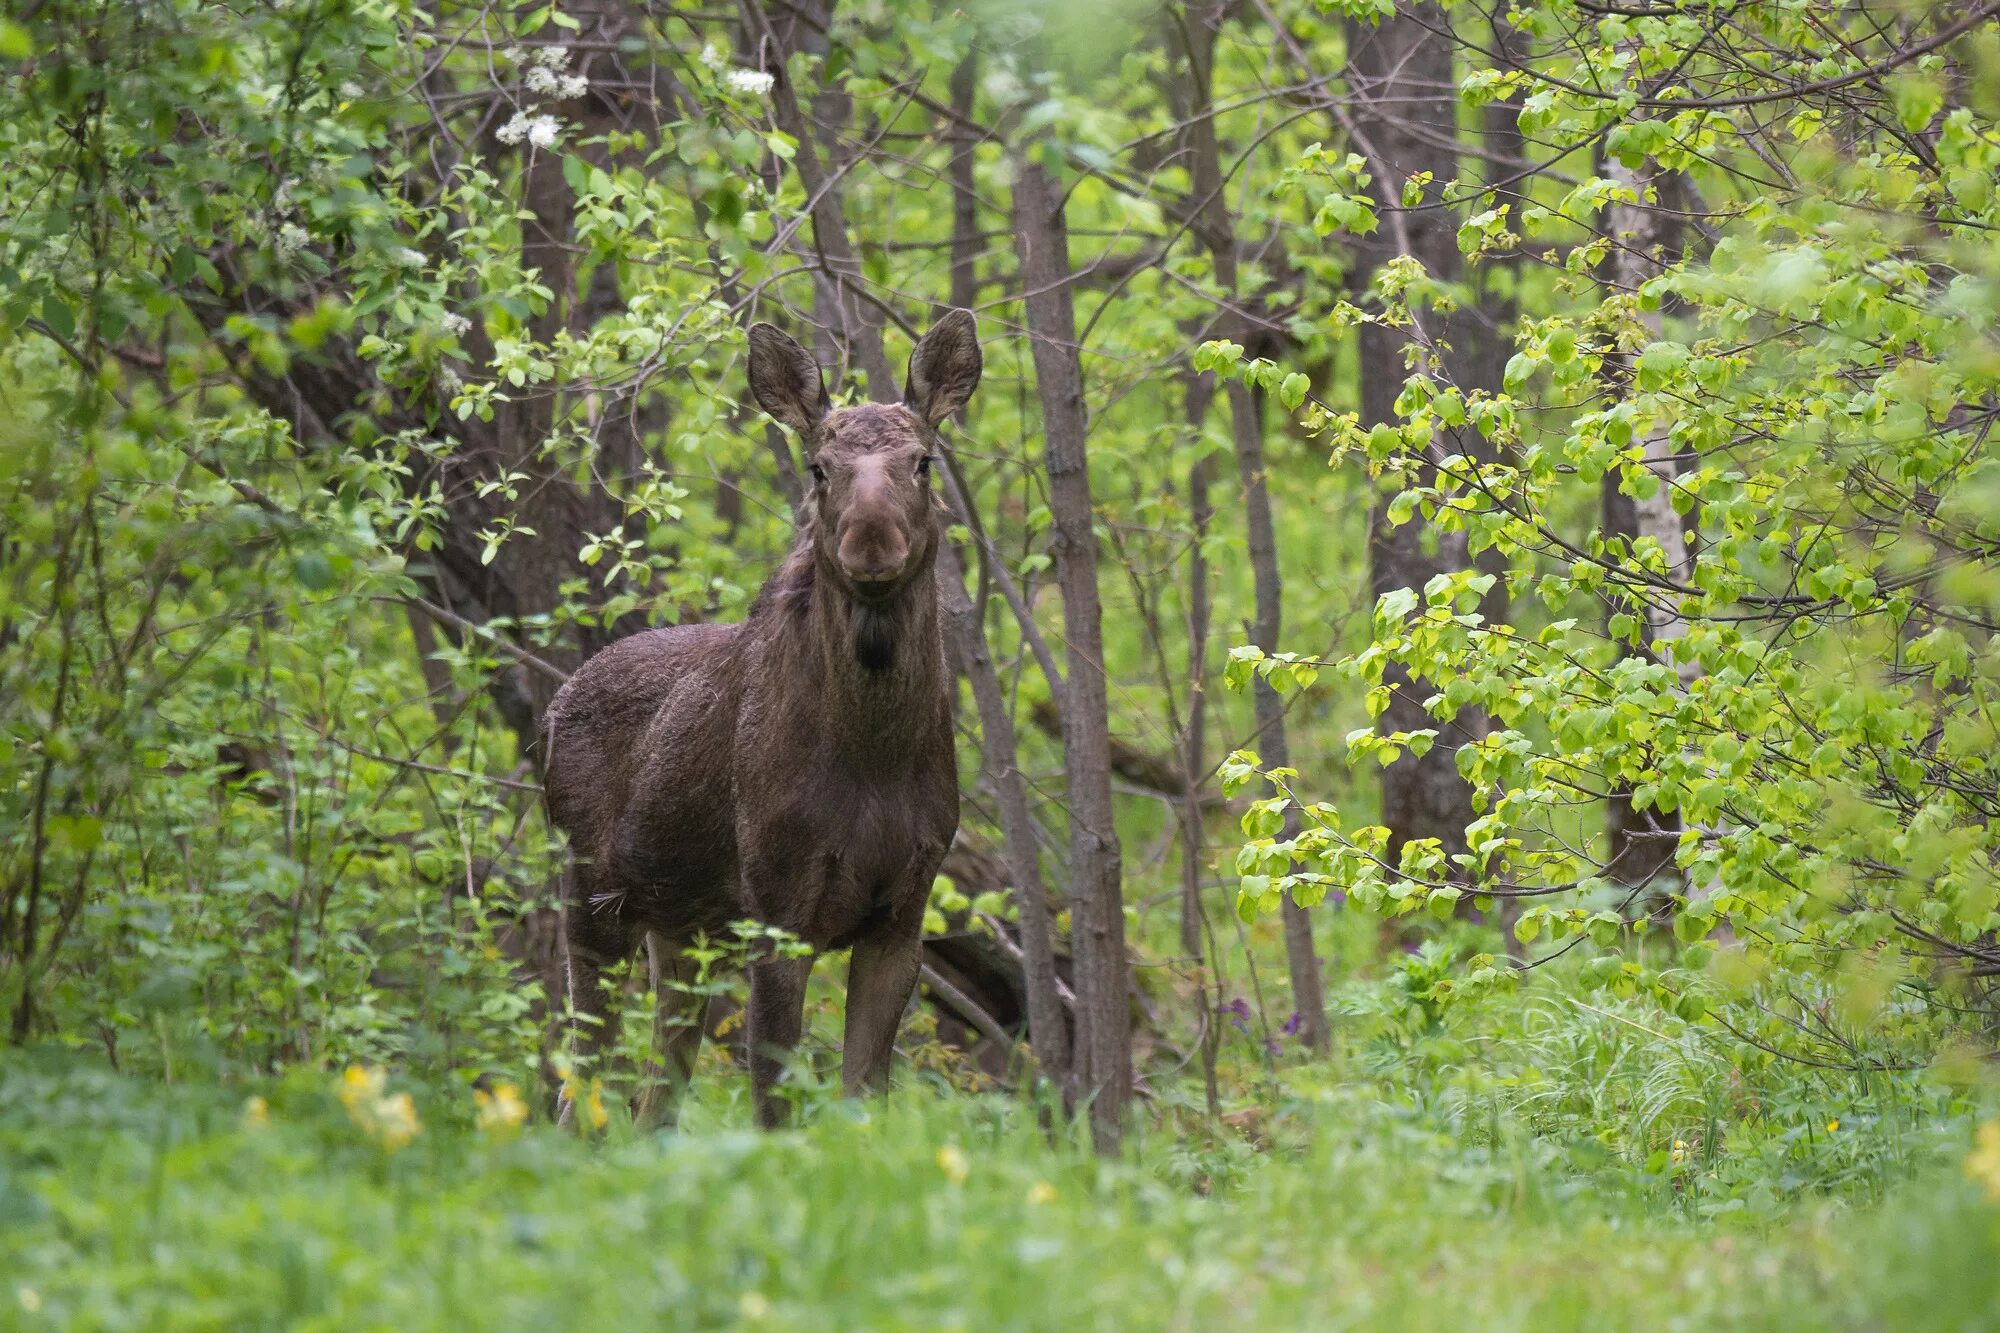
{"x":797,"y":768}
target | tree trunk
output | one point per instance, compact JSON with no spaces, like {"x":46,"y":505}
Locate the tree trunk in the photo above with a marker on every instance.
{"x":964,"y":186}
{"x":965,"y":627}
{"x":1194,"y":739}
{"x":1246,"y":417}
{"x":1641,"y":844}
{"x":1104,"y":1047}
{"x":1405,"y":121}
{"x":1048,"y":1029}
{"x":1487,"y":355}
{"x":837,"y":265}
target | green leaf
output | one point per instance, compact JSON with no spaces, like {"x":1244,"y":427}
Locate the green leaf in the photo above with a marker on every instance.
{"x":58,"y":316}
{"x":1658,"y":363}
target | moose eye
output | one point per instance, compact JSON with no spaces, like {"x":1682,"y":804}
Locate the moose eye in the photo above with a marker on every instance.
{"x":924,"y":466}
{"x":819,"y":475}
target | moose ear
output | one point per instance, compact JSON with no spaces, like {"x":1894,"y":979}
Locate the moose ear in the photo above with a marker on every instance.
{"x":785,"y":379}
{"x":944,"y":368}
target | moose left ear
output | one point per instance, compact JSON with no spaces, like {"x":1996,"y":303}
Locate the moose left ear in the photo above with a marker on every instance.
{"x":944,"y":368}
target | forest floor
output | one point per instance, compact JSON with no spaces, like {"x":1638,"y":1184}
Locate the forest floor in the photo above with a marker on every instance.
{"x":1503,"y":1193}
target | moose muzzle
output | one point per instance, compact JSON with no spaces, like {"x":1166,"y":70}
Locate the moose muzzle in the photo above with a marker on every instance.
{"x":874,"y":548}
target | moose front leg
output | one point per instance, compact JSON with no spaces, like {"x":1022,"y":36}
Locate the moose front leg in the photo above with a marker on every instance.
{"x":777,"y":1014}
{"x":880,"y":976}
{"x":593,"y":943}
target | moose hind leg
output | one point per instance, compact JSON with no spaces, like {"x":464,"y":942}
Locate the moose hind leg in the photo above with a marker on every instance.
{"x":594,"y":942}
{"x":677,"y":1030}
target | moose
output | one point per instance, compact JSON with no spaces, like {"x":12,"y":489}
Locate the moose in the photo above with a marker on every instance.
{"x":796,"y":769}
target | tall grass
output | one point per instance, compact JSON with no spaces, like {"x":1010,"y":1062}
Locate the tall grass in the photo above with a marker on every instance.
{"x":1515,"y":1169}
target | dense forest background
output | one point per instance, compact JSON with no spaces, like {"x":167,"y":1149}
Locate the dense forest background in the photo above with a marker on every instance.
{"x":1473,"y":575}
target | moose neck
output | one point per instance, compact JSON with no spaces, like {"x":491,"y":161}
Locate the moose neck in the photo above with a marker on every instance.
{"x":878,"y":666}
{"x":880,"y":658}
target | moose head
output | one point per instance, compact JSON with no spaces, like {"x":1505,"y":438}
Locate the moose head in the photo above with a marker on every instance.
{"x":871,"y":497}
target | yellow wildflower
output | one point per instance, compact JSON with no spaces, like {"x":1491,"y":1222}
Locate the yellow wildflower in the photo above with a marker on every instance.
{"x":396,"y":1121}
{"x":588,"y":1099}
{"x":389,"y":1120}
{"x":953,"y":1163}
{"x":753,"y":1305}
{"x":1680,"y":1152}
{"x":1041,"y":1192}
{"x":360,"y":1086}
{"x":1832,"y":1125}
{"x":501,"y":1111}
{"x":256,"y":1113}
{"x":1983,"y":1165}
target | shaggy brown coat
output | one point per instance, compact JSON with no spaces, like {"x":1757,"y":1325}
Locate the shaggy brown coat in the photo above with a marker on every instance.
{"x":796,"y":769}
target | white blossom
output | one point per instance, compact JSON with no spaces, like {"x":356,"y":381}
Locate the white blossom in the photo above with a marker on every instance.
{"x":292,"y":238}
{"x":457,"y":325}
{"x":409,"y":258}
{"x":541,"y":80}
{"x":449,"y":380}
{"x":514,"y":130}
{"x":513,"y":55}
{"x":751,"y":82}
{"x":570,"y":87}
{"x":1004,"y":86}
{"x":350,"y":90}
{"x":713,"y":58}
{"x":553,"y":57}
{"x":542,"y":131}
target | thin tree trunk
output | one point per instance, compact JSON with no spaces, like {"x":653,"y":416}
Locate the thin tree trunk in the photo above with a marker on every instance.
{"x":1641,"y":844}
{"x":1217,"y":228}
{"x":1194,"y":740}
{"x":1104,"y":1047}
{"x":1048,"y":1030}
{"x":1048,"y":1026}
{"x":964,"y":186}
{"x":1400,"y":74}
{"x":1273,"y":745}
{"x":858,"y":317}
{"x":1503,"y":144}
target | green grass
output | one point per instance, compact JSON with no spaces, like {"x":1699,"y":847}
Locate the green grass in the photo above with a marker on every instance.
{"x":128,"y":1205}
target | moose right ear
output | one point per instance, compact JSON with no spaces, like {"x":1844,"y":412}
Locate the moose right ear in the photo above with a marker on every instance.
{"x":785,"y":379}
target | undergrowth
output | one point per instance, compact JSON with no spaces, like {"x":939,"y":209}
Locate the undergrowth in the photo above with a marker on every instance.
{"x":1562,"y":1159}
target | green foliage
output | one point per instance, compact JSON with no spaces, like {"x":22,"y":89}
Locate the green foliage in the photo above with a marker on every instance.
{"x":1614,"y":1175}
{"x":363,"y":367}
{"x":1791,"y":658}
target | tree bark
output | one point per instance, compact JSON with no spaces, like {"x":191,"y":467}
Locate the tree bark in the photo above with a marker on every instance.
{"x":1246,"y":416}
{"x":1104,"y":1048}
{"x":1048,"y":1029}
{"x":965,"y":627}
{"x":1400,"y":74}
{"x":1194,"y":739}
{"x":859,"y":319}
{"x":964,"y":186}
{"x":1641,"y":844}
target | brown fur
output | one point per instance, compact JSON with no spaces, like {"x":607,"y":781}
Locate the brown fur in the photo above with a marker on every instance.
{"x":797,"y":768}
